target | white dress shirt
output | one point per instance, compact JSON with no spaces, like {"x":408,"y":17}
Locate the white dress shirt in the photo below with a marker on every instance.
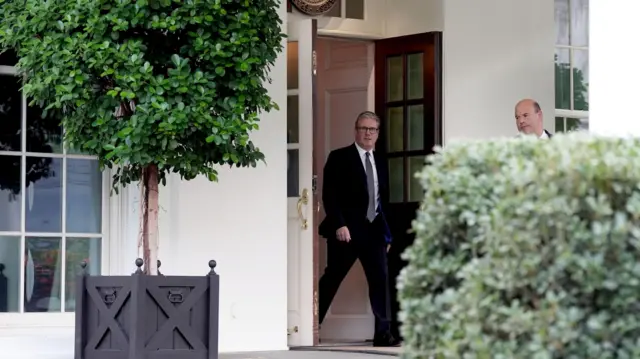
{"x":363,"y":158}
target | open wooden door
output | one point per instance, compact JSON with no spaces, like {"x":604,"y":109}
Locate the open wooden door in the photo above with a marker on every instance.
{"x":302,"y":298}
{"x":408,"y":87}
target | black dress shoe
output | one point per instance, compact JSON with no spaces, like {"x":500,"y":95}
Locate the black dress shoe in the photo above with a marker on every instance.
{"x":385,"y":340}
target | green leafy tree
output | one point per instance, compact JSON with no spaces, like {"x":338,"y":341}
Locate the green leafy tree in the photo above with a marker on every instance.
{"x":151,"y":87}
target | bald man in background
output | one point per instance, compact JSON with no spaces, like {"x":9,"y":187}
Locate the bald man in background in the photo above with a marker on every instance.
{"x":529,"y":119}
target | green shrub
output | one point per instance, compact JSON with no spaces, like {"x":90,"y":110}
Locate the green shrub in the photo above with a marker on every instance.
{"x":526,"y":249}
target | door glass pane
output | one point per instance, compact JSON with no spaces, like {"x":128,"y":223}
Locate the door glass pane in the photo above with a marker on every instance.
{"x":84,"y":196}
{"x":562,"y":79}
{"x":10,"y":194}
{"x":8,"y":58}
{"x":355,"y":9}
{"x":415,"y":116}
{"x":44,"y":195}
{"x":292,"y":65}
{"x":416,"y":164}
{"x":396,"y":180}
{"x":581,"y":80}
{"x":10,"y":269}
{"x":292,"y":119}
{"x":336,"y":10}
{"x":78,"y":250}
{"x":415,"y":78}
{"x":44,"y":135}
{"x":579,"y":22}
{"x":10,"y":113}
{"x":562,"y":22}
{"x":394,"y":79}
{"x":293,"y":173}
{"x":395,"y":132}
{"x":42,"y":274}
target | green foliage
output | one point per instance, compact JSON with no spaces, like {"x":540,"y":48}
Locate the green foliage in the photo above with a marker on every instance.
{"x":526,"y":249}
{"x":139,"y":83}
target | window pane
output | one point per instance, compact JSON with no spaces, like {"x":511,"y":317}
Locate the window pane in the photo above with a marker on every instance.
{"x":573,"y":124}
{"x":44,"y":195}
{"x":9,"y":274}
{"x":396,"y":180}
{"x":10,"y":193}
{"x":394,"y":79}
{"x":416,"y":127}
{"x":584,"y":124}
{"x":42,"y":274}
{"x":415,"y":78}
{"x":580,"y":22}
{"x":562,"y":22}
{"x":563,"y":79}
{"x":8,"y":58}
{"x":559,"y":124}
{"x":395,"y":129}
{"x":44,"y":135}
{"x":581,"y":80}
{"x":416,"y":164}
{"x":293,"y":173}
{"x":336,"y":10}
{"x":292,"y":119}
{"x":10,"y":113}
{"x":84,"y":196}
{"x":78,"y":250}
{"x":292,"y":65}
{"x":355,"y":9}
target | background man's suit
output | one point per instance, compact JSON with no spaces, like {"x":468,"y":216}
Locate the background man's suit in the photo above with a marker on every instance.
{"x":345,"y":197}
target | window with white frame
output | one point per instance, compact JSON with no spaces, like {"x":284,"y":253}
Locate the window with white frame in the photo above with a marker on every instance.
{"x":51,"y":207}
{"x":572,"y":65}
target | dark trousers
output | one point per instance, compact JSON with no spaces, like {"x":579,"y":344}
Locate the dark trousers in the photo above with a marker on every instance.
{"x":371,"y":250}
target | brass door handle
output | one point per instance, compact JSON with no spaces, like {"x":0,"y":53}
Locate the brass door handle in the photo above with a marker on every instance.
{"x":303,"y":200}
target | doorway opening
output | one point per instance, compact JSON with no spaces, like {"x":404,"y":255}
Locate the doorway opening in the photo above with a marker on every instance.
{"x":399,"y":79}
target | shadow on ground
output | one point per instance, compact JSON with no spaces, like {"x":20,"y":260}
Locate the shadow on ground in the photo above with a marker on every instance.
{"x":300,"y":354}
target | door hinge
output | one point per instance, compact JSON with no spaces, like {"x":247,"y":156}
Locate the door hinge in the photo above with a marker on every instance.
{"x":314,"y":184}
{"x":292,"y":330}
{"x":314,"y":62}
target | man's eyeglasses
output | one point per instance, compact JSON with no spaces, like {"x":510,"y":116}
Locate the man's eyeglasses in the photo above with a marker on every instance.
{"x":367,"y":129}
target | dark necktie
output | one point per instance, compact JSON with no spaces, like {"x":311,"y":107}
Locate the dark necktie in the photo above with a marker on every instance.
{"x":371,"y":210}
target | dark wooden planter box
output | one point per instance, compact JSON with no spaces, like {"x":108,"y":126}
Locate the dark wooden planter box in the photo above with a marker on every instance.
{"x":147,"y":317}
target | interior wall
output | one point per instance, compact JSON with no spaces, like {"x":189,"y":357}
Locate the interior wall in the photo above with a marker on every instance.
{"x":496,"y":52}
{"x":407,"y":17}
{"x":345,"y":87}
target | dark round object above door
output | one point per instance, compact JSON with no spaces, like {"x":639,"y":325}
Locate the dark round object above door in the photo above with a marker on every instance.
{"x":314,"y":7}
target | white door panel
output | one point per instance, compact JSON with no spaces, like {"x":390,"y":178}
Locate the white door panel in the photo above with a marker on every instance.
{"x":301,"y":224}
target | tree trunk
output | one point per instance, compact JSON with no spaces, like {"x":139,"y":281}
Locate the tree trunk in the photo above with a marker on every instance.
{"x":149,"y":206}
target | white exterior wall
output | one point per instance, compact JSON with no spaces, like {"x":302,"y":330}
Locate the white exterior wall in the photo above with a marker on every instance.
{"x":241,"y":222}
{"x":496,"y":52}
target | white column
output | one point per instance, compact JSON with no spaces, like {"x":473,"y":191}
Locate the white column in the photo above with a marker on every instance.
{"x":614,"y":71}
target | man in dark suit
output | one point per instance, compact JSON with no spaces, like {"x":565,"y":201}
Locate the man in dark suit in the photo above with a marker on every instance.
{"x":355,"y":195}
{"x":529,"y":119}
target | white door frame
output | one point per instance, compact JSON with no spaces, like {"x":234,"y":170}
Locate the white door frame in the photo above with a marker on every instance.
{"x":302,"y":282}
